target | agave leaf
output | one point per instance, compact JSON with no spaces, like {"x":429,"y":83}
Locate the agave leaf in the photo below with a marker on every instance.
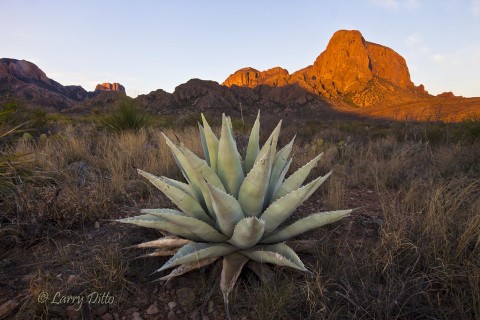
{"x":295,"y":180}
{"x":263,"y":271}
{"x":202,"y":229}
{"x":212,"y":143}
{"x":204,"y":143}
{"x":319,"y":183}
{"x":232,"y":267}
{"x":281,"y":209}
{"x":247,"y":233}
{"x":192,"y":252}
{"x":154,"y":222}
{"x":201,"y":167}
{"x":308,"y":223}
{"x":227,"y":210}
{"x":184,"y":201}
{"x":279,"y":254}
{"x":271,"y":141}
{"x":229,"y":166}
{"x":165,"y":242}
{"x":229,"y":122}
{"x":158,"y":253}
{"x":203,"y":172}
{"x":178,"y":184}
{"x":186,"y":167}
{"x":252,"y":192}
{"x":279,"y":163}
{"x":187,"y":267}
{"x":280,"y":179}
{"x":253,"y":146}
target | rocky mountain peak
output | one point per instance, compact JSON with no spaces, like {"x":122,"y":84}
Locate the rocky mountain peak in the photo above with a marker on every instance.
{"x":109,"y":87}
{"x":349,"y":67}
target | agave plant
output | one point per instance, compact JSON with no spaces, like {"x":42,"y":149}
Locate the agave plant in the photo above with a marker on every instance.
{"x":232,"y":209}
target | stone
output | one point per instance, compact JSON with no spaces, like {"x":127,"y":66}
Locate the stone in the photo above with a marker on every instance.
{"x":172,"y":305}
{"x":136,"y":316}
{"x":172,"y":316}
{"x":72,"y":279}
{"x":153,"y":309}
{"x":106,"y":316}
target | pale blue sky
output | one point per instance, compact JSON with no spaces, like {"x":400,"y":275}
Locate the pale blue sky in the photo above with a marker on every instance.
{"x":149,"y":45}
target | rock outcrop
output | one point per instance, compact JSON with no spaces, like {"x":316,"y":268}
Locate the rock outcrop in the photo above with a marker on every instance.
{"x":448,"y":94}
{"x":351,"y":68}
{"x":249,"y":77}
{"x":110,"y":87}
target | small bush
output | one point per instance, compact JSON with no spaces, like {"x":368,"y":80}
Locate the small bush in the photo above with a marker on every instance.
{"x":127,"y":117}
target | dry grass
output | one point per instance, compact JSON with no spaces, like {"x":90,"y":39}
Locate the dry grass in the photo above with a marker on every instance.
{"x":421,"y":261}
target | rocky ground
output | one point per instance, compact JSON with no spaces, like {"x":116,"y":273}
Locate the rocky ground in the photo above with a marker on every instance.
{"x":43,"y":270}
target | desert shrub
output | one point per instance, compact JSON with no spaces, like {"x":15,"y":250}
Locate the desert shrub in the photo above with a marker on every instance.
{"x":128,"y":116}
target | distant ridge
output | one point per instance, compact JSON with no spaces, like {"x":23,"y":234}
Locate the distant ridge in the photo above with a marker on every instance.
{"x":24,"y":81}
{"x":351,"y":77}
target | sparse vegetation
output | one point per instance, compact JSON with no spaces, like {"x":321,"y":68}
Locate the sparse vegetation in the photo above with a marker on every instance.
{"x":128,"y":116}
{"x":411,"y":250}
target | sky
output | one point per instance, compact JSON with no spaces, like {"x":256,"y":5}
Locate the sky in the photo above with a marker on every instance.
{"x":147,"y":45}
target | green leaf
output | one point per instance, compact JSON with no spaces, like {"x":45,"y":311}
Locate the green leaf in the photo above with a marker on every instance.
{"x":212,"y":143}
{"x":185,"y":166}
{"x":271,"y":143}
{"x":303,"y":225}
{"x":183,"y":200}
{"x":150,"y":221}
{"x":279,"y":254}
{"x":227,"y":210}
{"x":203,"y":172}
{"x":247,"y":233}
{"x":252,"y":192}
{"x":203,"y":230}
{"x":281,"y":209}
{"x":204,"y":144}
{"x":229,"y":167}
{"x":296,"y":179}
{"x":194,"y":251}
{"x":279,"y":163}
{"x":253,"y":146}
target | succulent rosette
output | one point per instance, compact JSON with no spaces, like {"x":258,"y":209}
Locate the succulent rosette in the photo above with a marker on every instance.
{"x":232,"y":209}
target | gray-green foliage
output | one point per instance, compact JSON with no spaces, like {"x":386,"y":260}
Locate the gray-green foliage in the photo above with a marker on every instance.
{"x":232,"y":209}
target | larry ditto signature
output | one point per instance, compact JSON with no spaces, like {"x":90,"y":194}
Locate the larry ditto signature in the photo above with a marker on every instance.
{"x":94,"y":298}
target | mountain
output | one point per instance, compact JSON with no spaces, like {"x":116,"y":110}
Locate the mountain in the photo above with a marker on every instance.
{"x":352,"y":77}
{"x":350,"y":67}
{"x":26,"y":82}
{"x":364,"y":78}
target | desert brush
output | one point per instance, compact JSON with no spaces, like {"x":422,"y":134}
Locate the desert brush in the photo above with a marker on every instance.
{"x":232,"y":209}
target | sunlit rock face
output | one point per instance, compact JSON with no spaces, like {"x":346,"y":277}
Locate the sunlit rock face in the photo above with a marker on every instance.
{"x":349,"y":66}
{"x":107,"y":86}
{"x":250,"y":77}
